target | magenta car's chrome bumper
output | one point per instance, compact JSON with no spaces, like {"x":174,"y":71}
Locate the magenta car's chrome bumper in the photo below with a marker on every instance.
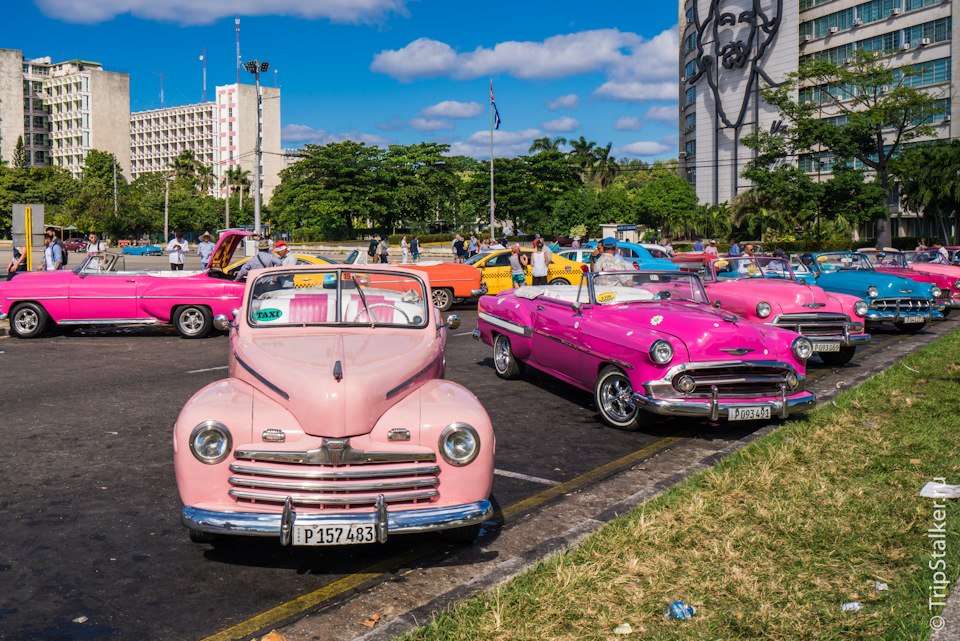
{"x":715,"y":409}
{"x":386,"y":522}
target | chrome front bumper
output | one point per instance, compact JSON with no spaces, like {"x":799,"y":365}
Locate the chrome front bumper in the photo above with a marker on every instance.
{"x":846,"y":340}
{"x":385,"y":522}
{"x":715,"y":409}
{"x":3,"y":317}
{"x":895,"y":316}
{"x":480,"y":292}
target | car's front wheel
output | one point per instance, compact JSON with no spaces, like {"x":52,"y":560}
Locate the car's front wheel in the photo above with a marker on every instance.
{"x":192,"y":321}
{"x":837,"y":358}
{"x":504,"y":362}
{"x":442,"y":298}
{"x":613,"y":394}
{"x":28,"y":320}
{"x":558,"y":281}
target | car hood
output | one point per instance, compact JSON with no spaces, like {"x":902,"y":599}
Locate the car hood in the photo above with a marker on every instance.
{"x":857,"y":281}
{"x":376,"y":370}
{"x":226,"y":245}
{"x":708,"y":334}
{"x":785,"y":297}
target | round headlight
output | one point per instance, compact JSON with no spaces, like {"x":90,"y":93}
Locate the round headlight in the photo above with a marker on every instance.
{"x":956,"y":285}
{"x":860,"y":308}
{"x":802,"y":348}
{"x":661,"y":352}
{"x":763,"y":309}
{"x":936,"y":292}
{"x":792,"y":380}
{"x":210,"y":442}
{"x":459,"y":444}
{"x":686,"y":384}
{"x":872,"y":291}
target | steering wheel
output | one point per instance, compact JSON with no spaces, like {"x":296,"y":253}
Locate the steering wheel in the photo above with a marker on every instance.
{"x":364,"y":310}
{"x":664,"y":295}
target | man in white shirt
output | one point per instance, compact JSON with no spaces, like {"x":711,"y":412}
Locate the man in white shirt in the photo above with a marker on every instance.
{"x":178,"y":249}
{"x":205,"y":250}
{"x":283,"y":251}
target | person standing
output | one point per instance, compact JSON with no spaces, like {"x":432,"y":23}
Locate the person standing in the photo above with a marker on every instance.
{"x":384,"y":250}
{"x":540,"y":262}
{"x":283,"y":251}
{"x":711,"y":249}
{"x":18,"y":263}
{"x":415,"y":248}
{"x":460,"y":250}
{"x":52,"y":254}
{"x":473,"y":247}
{"x":734,"y":250}
{"x":698,"y":246}
{"x":668,"y":246}
{"x":52,"y":233}
{"x":922,"y":244}
{"x":95,"y":250}
{"x":262,"y":260}
{"x":604,"y":258}
{"x":576,"y":242}
{"x":484,"y":245}
{"x":178,"y":248}
{"x":404,"y":250}
{"x":372,"y":249}
{"x":205,"y":250}
{"x":518,"y":267}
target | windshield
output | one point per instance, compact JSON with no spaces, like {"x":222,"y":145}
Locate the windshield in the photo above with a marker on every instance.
{"x":303,"y":296}
{"x":928,"y":256}
{"x":748,"y":267}
{"x":611,"y":288}
{"x":477,"y":258}
{"x":837,"y":261}
{"x":887,"y":259}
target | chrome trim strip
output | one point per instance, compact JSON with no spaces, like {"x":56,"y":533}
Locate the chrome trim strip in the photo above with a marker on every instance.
{"x":585,"y":351}
{"x":347,"y":456}
{"x":398,"y":522}
{"x":714,"y":409}
{"x":111,"y":321}
{"x":410,"y":381}
{"x":336,"y":474}
{"x":317,"y":486}
{"x":509,"y":326}
{"x":334,"y":499}
{"x":260,"y":378}
{"x":18,"y":298}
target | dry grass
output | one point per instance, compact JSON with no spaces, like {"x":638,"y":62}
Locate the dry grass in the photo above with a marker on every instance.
{"x":770,"y":543}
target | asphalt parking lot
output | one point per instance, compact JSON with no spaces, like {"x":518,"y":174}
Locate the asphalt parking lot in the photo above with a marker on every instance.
{"x":92,"y":547}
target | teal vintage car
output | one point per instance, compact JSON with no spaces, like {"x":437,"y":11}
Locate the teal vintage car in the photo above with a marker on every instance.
{"x":906,"y":303}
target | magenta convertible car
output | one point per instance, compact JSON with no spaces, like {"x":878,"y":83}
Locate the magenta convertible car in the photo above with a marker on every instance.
{"x":101,"y":292}
{"x":648,"y":343}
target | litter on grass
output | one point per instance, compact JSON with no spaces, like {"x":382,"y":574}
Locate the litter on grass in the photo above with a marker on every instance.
{"x":372,"y":621}
{"x":881,"y":586}
{"x":911,"y":369}
{"x":853,"y":606}
{"x":623,"y":628}
{"x":940,"y":491}
{"x":870,"y":423}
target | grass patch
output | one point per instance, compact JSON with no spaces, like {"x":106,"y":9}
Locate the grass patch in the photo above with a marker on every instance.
{"x":770,"y":543}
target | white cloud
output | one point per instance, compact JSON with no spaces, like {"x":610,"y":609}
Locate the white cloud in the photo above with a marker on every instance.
{"x":295,"y":134}
{"x":562,"y":125}
{"x":192,"y":12}
{"x":570,"y":101}
{"x":666,"y":113}
{"x":621,"y":55}
{"x":673,"y":140}
{"x":506,"y":144}
{"x":453,"y":109}
{"x":641,"y":149}
{"x":627,"y":123}
{"x":394,"y":124}
{"x":637,"y":91}
{"x":430,"y":124}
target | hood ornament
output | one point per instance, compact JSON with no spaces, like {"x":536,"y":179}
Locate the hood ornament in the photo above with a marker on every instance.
{"x":337,"y":371}
{"x":738,"y":351}
{"x":814,"y":305}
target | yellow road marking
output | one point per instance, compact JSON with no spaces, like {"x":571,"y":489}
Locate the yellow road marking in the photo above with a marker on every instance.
{"x":315,"y":598}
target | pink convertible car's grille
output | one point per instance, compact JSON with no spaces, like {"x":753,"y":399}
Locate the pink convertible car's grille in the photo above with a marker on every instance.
{"x":258,"y":477}
{"x":734,"y":381}
{"x":813,"y":324}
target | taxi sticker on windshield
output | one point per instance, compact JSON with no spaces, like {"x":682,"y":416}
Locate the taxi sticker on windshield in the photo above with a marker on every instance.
{"x":656,"y":320}
{"x":268,"y":314}
{"x":605,"y":297}
{"x":846,"y":259}
{"x":822,"y":259}
{"x":654,"y":276}
{"x":751,"y":269}
{"x":721,"y":263}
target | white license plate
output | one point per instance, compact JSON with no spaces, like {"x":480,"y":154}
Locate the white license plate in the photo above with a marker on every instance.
{"x":334,"y":534}
{"x":913,"y":319}
{"x":826,"y":347}
{"x":748,"y":413}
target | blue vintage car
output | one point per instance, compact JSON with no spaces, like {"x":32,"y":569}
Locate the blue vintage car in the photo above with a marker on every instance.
{"x":147,"y":250}
{"x":634,"y":255}
{"x":906,"y":303}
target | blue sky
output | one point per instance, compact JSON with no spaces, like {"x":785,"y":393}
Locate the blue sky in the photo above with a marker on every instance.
{"x":393,"y":71}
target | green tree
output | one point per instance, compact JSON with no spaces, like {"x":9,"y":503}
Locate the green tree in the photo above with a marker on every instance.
{"x":20,"y":158}
{"x":604,"y":169}
{"x":930,"y":183}
{"x":547,"y":144}
{"x":669,"y":202}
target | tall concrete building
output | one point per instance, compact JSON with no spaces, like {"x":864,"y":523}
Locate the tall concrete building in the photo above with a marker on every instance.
{"x":62,"y":110}
{"x":731,"y":49}
{"x":222,"y":135}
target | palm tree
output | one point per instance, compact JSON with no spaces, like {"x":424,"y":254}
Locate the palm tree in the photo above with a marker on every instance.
{"x":185,"y":165}
{"x":582,"y":154}
{"x":205,"y":178}
{"x":546,"y":144}
{"x":605,"y":168}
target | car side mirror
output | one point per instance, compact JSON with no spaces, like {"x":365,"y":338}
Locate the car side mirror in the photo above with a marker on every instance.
{"x":453,"y":322}
{"x":222,"y":323}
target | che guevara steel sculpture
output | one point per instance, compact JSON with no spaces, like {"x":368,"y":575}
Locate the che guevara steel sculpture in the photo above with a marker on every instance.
{"x":734,"y":38}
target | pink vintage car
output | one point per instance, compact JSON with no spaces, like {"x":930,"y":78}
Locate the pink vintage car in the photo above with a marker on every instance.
{"x":765,"y":290}
{"x":100,"y":291}
{"x":335,"y":426}
{"x":648,"y":343}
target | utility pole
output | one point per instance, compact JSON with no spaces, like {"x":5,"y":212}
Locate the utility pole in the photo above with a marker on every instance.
{"x":161,"y":86}
{"x":238,"y":54}
{"x":203,"y":59}
{"x":256,"y":68}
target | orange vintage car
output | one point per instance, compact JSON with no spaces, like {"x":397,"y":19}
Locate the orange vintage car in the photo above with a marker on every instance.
{"x":450,"y":280}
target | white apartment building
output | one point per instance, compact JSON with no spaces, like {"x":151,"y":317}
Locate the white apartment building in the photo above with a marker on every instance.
{"x":62,"y":110}
{"x":731,"y":49}
{"x":222,"y":135}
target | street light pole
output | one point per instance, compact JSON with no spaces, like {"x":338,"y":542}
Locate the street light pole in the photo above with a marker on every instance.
{"x":256,"y":68}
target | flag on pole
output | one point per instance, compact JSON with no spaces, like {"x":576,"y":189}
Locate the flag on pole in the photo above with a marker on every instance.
{"x":496,"y":114}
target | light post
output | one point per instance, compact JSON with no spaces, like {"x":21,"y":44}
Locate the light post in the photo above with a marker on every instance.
{"x":166,"y":205}
{"x":256,"y":68}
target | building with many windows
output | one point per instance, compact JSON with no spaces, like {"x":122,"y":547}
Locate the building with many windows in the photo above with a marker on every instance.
{"x":731,"y":49}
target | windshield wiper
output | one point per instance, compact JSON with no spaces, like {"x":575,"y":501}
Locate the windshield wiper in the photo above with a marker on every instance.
{"x":363,"y":299}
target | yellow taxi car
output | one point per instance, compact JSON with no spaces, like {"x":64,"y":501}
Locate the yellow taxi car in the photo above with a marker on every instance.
{"x":302,"y":259}
{"x":495,"y":267}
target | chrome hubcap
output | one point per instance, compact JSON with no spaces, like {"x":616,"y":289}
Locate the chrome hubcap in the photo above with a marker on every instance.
{"x":440,"y":298}
{"x":26,"y":321}
{"x":615,"y":396}
{"x":501,"y":353}
{"x":191,"y":321}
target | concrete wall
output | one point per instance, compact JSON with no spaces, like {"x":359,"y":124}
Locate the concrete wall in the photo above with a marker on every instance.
{"x":11,"y":101}
{"x":110,"y":115}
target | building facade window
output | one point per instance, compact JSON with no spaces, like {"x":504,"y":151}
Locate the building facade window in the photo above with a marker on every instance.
{"x":691,"y":68}
{"x":691,"y":148}
{"x":690,"y":122}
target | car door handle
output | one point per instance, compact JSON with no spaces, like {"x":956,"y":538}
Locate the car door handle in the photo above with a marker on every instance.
{"x":131,"y":280}
{"x":540,"y":308}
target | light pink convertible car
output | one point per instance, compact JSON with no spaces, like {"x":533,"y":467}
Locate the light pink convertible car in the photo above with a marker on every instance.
{"x":648,"y":343}
{"x":335,"y":426}
{"x":100,"y":291}
{"x":764,"y":289}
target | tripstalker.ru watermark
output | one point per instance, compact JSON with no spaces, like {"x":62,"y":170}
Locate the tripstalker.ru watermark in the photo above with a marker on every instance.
{"x":939,"y":586}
